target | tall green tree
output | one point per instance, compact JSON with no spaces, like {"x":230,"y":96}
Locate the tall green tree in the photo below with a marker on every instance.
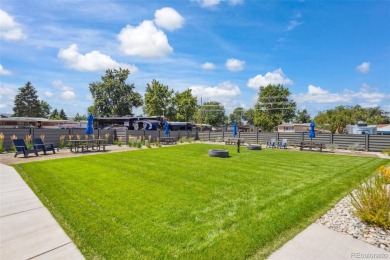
{"x":113,"y":96}
{"x":158,"y":100}
{"x":237,"y":116}
{"x":213,"y":113}
{"x":249,"y":116}
{"x":55,"y":115}
{"x":26,"y":102}
{"x":273,"y":107}
{"x":62,"y":115}
{"x":185,"y":107}
{"x":302,"y":117}
{"x":45,"y":109}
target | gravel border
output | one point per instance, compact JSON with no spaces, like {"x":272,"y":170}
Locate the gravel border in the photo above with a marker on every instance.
{"x":341,"y":219}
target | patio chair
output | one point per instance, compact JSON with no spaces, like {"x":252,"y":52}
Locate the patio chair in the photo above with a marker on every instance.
{"x":21,"y":148}
{"x":271,"y":144}
{"x":39,"y":145}
{"x":283,"y":144}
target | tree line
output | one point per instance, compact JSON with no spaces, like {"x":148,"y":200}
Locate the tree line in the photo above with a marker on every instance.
{"x":113,"y":96}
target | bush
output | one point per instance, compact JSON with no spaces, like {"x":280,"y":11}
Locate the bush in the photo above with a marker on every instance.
{"x":332,"y":147}
{"x":372,"y":202}
{"x":2,"y":149}
{"x":387,"y":151}
{"x":385,"y":172}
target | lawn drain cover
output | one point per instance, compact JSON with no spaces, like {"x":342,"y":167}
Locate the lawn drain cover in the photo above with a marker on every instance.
{"x":219,"y":153}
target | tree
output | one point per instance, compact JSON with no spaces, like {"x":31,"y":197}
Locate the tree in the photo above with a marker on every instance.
{"x":184,"y":104}
{"x":55,"y":115}
{"x":249,"y":116}
{"x":62,"y":115}
{"x":273,"y":107}
{"x":237,"y":116}
{"x":26,"y":102}
{"x":158,"y":100}
{"x":213,"y":113}
{"x":79,"y":118}
{"x":113,"y":96}
{"x":45,"y":109}
{"x":337,"y":119}
{"x":302,"y":117}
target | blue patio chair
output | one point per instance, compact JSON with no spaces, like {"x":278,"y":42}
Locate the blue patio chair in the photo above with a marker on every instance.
{"x":21,"y":148}
{"x":271,"y":144}
{"x":283,"y":144}
{"x":39,"y":145}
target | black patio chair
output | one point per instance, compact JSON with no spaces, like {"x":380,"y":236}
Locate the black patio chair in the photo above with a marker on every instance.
{"x":39,"y":145}
{"x":21,"y":148}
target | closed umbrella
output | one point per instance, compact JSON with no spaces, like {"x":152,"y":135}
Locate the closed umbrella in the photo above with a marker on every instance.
{"x":166,"y":128}
{"x":89,"y":129}
{"x":312,"y":133}
{"x":234,"y":129}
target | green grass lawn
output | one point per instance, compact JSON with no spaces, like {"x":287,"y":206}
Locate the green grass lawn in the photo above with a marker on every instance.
{"x":176,"y":202}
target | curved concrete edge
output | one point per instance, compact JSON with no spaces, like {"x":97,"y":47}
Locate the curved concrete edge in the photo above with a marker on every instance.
{"x":322,"y":243}
{"x":27,"y":228}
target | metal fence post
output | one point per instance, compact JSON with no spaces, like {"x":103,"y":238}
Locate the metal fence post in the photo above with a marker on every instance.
{"x":367,"y":142}
{"x":331,"y":137}
{"x":209,"y":135}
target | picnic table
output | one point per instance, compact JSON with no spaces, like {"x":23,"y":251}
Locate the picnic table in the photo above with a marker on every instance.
{"x":84,"y":145}
{"x":168,"y":140}
{"x":311,"y":146}
{"x":233,"y":141}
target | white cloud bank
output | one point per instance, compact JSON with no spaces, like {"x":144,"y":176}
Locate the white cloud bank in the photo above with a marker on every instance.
{"x":67,"y":93}
{"x":234,"y":64}
{"x":364,"y":67}
{"x":9,"y":29}
{"x":208,"y":66}
{"x":144,"y":40}
{"x":7,"y":97}
{"x":212,"y":3}
{"x":318,"y":95}
{"x":276,"y":77}
{"x":222,"y":90}
{"x":4,"y":71}
{"x":168,"y":18}
{"x":92,"y":61}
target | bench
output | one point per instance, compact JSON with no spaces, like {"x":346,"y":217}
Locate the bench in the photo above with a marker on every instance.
{"x":233,"y":141}
{"x":311,"y":146}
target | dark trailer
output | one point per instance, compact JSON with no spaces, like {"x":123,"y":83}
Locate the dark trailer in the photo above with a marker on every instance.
{"x":131,"y":123}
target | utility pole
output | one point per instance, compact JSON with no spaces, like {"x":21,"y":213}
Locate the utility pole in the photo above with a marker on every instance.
{"x":201,"y":114}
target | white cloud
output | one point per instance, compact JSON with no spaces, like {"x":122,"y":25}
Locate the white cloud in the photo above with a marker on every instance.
{"x":144,"y":40}
{"x":7,"y":97}
{"x":67,"y":93}
{"x":92,"y":61}
{"x":208,"y":66}
{"x":274,"y":78}
{"x":212,"y":3}
{"x":48,"y":94}
{"x":364,"y":67}
{"x":168,"y":18}
{"x":318,"y":95}
{"x":4,"y":71}
{"x":234,"y":64}
{"x":224,"y":89}
{"x":293,"y":24}
{"x":9,"y":29}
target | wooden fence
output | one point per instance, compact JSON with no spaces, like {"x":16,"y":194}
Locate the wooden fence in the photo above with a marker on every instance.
{"x":375,"y":143}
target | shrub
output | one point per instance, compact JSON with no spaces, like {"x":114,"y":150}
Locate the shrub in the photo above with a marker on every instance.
{"x":2,"y":149}
{"x":385,"y":172}
{"x":372,"y":202}
{"x":61,"y":145}
{"x":13,"y":148}
{"x":331,"y":147}
{"x":28,"y":141}
{"x":387,"y":151}
{"x":218,"y":139}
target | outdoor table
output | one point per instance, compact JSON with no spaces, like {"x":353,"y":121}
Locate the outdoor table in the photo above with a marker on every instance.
{"x":76,"y":145}
{"x":167,"y":140}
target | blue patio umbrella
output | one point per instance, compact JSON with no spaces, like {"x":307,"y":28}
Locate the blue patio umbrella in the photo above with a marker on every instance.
{"x":166,"y":126}
{"x":89,"y":129}
{"x":312,"y":133}
{"x":234,"y":129}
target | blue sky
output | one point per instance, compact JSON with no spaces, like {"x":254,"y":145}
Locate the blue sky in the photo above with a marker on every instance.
{"x":327,"y":53}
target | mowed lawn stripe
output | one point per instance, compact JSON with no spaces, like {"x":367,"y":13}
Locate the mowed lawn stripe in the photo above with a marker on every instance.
{"x":176,"y":202}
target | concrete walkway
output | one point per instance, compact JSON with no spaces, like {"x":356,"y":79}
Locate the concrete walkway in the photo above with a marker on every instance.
{"x":321,"y":243}
{"x":27,"y":229}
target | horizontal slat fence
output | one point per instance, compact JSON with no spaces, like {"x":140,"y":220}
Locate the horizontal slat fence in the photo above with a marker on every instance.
{"x":375,"y":143}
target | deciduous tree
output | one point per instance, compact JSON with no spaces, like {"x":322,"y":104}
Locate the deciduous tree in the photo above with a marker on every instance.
{"x":113,"y":96}
{"x":185,"y":107}
{"x":213,"y":113}
{"x":158,"y":100}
